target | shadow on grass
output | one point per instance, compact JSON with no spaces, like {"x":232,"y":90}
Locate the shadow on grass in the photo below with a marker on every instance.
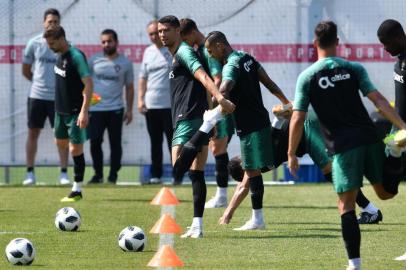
{"x":317,"y":236}
{"x":299,"y":207}
{"x":126,"y":200}
{"x":305,"y":223}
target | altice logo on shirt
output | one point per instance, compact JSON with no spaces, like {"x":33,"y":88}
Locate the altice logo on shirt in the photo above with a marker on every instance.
{"x":326,"y":82}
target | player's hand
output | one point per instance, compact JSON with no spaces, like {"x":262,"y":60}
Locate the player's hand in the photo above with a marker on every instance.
{"x":83,"y":119}
{"x":225,"y":219}
{"x":283,"y":110}
{"x":293,"y":165}
{"x":128,"y":117}
{"x":141,"y":107}
{"x":226,"y":105}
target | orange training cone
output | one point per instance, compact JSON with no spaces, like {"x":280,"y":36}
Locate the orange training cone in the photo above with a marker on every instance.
{"x":165,"y":257}
{"x":166,"y":224}
{"x":165,"y":197}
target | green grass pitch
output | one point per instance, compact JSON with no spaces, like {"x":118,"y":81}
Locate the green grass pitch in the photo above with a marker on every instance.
{"x":303,"y":230}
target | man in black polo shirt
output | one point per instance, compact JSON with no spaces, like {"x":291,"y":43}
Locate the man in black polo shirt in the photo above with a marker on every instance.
{"x":74,"y":88}
{"x":189,"y":83}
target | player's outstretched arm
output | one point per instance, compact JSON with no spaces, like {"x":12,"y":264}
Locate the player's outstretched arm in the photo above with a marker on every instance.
{"x":201,"y":75}
{"x":271,"y":85}
{"x":241,"y":191}
{"x":295,"y":135}
{"x":384,"y":108}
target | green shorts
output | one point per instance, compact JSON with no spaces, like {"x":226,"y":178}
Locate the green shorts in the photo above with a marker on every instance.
{"x":184,"y":131}
{"x":225,"y":128}
{"x":65,"y":128}
{"x":314,"y":142}
{"x":350,"y":167}
{"x":257,"y":149}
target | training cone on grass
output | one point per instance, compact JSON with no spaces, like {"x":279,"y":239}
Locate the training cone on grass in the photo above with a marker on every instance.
{"x":166,"y":224}
{"x":165,"y":257}
{"x":165,"y":197}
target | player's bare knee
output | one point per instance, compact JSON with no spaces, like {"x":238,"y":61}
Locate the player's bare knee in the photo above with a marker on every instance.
{"x":76,"y":149}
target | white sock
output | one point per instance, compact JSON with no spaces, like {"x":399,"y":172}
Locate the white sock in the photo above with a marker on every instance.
{"x":221,"y":192}
{"x":355,"y":263}
{"x":77,"y":186}
{"x":197,"y":222}
{"x":370,"y":208}
{"x":206,"y":127}
{"x":257,"y":216}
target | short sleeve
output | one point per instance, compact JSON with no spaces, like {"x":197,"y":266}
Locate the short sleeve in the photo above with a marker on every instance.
{"x":129,"y":74}
{"x":28,"y":56}
{"x":230,"y":71}
{"x":188,"y":58}
{"x":302,"y":99}
{"x":365,"y":84}
{"x":143,"y":67}
{"x":80,"y":63}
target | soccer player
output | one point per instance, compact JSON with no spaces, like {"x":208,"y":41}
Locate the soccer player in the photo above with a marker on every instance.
{"x":392,"y":36}
{"x":241,"y":77}
{"x":38,"y":65}
{"x":74,"y":88}
{"x":188,"y":81}
{"x":111,"y":72}
{"x":225,"y":127}
{"x":331,"y":86}
{"x":311,"y":143}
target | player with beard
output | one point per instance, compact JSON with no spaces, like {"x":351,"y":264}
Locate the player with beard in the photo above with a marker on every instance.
{"x":111,"y":72}
{"x":73,"y":91}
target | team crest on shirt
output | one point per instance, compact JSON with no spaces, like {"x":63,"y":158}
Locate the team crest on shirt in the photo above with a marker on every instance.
{"x":398,"y":77}
{"x":64,"y":63}
{"x":117,"y":68}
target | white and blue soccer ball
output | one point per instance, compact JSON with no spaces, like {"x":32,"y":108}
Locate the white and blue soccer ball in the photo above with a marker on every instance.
{"x":132,"y":238}
{"x":20,"y":251}
{"x":67,"y":219}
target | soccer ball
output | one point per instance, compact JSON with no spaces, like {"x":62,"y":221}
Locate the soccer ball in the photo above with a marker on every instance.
{"x":20,"y":251}
{"x":67,"y":219}
{"x":132,"y":238}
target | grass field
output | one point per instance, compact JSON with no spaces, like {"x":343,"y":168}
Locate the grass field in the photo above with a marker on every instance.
{"x":303,"y":230}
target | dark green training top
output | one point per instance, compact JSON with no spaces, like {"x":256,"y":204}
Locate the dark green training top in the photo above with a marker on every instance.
{"x":250,"y":113}
{"x":331,"y":85}
{"x":71,"y":67}
{"x":399,"y":76}
{"x":188,"y":96}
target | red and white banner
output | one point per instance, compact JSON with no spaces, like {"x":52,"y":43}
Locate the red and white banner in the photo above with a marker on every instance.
{"x":266,"y":53}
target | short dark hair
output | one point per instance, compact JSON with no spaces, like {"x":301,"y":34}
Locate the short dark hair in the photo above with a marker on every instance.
{"x":390,"y":29}
{"x":235,"y":169}
{"x":52,"y":11}
{"x":217,"y":36}
{"x":54,"y":31}
{"x":171,"y":20}
{"x":110,"y":32}
{"x":187,"y":26}
{"x":326,"y":34}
